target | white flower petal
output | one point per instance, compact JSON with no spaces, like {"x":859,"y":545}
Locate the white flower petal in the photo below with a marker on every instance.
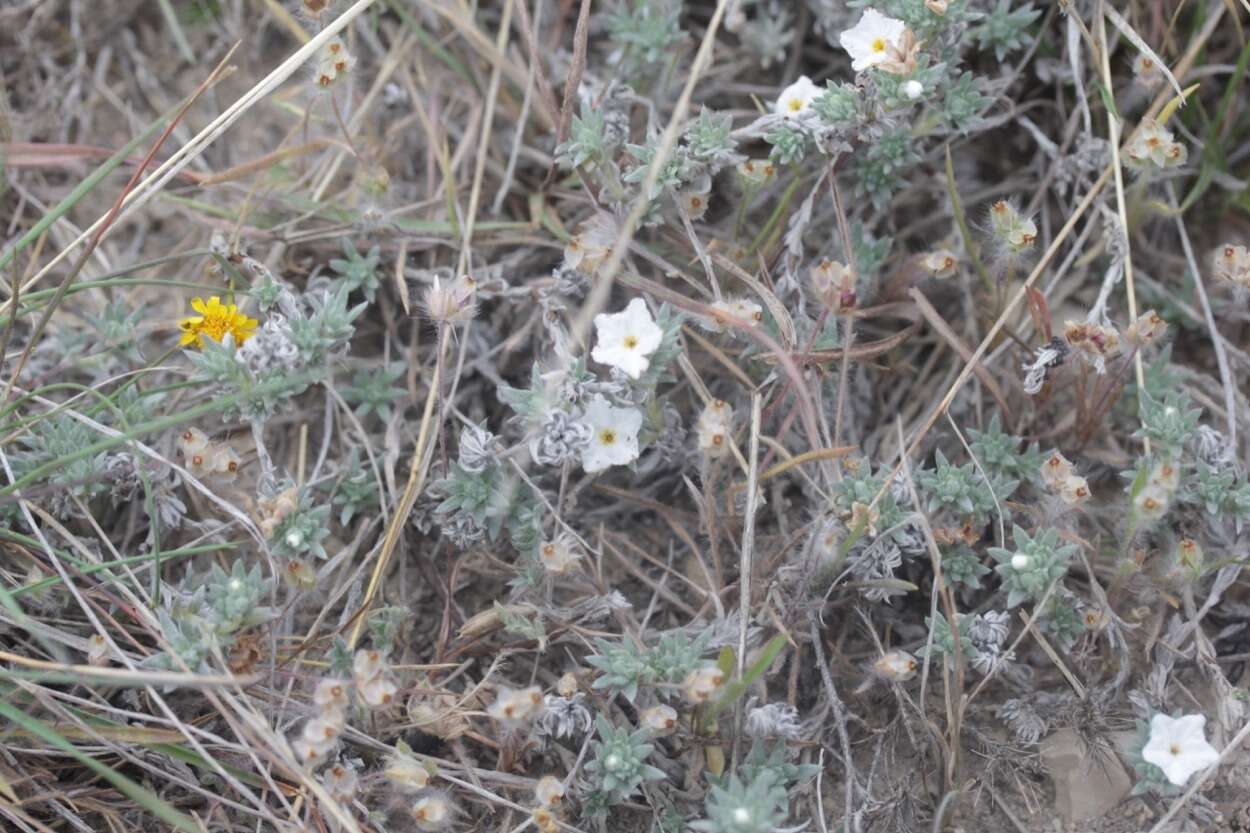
{"x":868,"y":42}
{"x":797,"y":98}
{"x":626,"y":339}
{"x":614,"y":435}
{"x":1179,"y":747}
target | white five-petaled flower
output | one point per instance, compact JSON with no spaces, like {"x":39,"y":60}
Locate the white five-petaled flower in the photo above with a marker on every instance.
{"x":869,"y":41}
{"x":796,"y":99}
{"x":627,"y":338}
{"x":1179,"y":747}
{"x":613,"y":437}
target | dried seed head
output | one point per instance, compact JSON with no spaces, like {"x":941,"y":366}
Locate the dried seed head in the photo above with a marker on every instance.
{"x":896,"y":667}
{"x":834,"y":285}
{"x":1055,"y":470}
{"x":661,"y":720}
{"x":432,"y":811}
{"x":299,"y":574}
{"x":549,"y":791}
{"x":714,"y":426}
{"x":331,"y":694}
{"x":97,"y":650}
{"x":567,"y":686}
{"x":1147,"y":329}
{"x":515,"y":706}
{"x":406,"y":772}
{"x":340,"y":782}
{"x":1074,"y":490}
{"x":1189,"y":554}
{"x":559,"y":555}
{"x":940,"y":264}
{"x":451,"y":303}
{"x":702,"y":684}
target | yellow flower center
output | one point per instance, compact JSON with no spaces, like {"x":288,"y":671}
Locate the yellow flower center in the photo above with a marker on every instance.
{"x":794,"y":105}
{"x":631,"y":342}
{"x":607,"y":437}
{"x":214,"y":321}
{"x":878,"y":45}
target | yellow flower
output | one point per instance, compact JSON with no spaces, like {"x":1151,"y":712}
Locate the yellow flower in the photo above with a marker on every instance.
{"x":214,"y":321}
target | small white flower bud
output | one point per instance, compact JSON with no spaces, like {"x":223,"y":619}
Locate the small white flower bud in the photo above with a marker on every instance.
{"x":1020,"y":561}
{"x":913,"y":89}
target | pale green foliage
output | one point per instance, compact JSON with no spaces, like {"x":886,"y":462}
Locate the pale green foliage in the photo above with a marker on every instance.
{"x":356,"y":490}
{"x":1005,"y":29}
{"x":1169,"y":423}
{"x":961,"y":489}
{"x":359,"y":272}
{"x":301,"y":532}
{"x":625,"y":666}
{"x":376,"y":391}
{"x":619,"y":760}
{"x":1033,"y":566}
{"x":1000,"y":453}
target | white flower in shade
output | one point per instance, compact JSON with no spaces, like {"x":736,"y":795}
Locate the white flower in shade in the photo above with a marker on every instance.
{"x":613,"y":437}
{"x":1179,"y":747}
{"x":913,"y":89}
{"x":796,"y":99}
{"x":869,"y":41}
{"x":627,"y":338}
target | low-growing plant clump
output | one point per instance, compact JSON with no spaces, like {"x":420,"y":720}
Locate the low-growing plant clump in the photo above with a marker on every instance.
{"x":730,"y":416}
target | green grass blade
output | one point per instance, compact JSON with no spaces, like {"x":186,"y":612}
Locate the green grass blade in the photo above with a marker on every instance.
{"x":153,"y":804}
